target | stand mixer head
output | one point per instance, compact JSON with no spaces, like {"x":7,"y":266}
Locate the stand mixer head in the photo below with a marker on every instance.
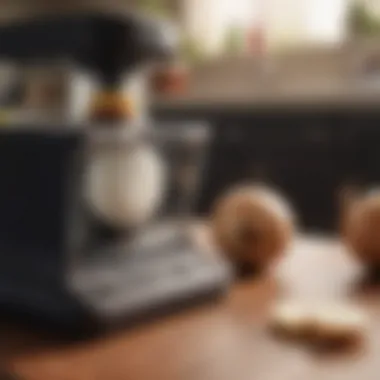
{"x":109,"y":47}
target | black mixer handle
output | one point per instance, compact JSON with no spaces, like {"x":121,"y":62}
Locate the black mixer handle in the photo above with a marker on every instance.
{"x":109,"y":45}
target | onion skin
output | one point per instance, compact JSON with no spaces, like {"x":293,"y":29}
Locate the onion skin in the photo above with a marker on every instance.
{"x":253,"y":226}
{"x":360,"y":229}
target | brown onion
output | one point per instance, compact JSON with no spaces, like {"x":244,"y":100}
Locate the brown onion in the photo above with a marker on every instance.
{"x":253,"y":226}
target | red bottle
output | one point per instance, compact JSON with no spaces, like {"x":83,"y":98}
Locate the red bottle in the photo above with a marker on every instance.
{"x":256,"y":41}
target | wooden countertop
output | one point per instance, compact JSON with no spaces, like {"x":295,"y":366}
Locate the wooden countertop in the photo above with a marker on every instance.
{"x":221,"y":341}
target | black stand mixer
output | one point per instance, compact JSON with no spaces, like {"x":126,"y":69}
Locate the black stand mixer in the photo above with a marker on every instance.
{"x":70,"y":254}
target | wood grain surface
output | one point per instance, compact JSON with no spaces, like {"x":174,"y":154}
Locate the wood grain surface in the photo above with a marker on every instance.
{"x":222,"y":341}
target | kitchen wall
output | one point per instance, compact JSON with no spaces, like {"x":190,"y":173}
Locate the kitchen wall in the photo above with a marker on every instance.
{"x":207,"y":22}
{"x":325,"y":20}
{"x":284,"y":22}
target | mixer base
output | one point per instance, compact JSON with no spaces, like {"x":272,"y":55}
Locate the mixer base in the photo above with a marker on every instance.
{"x":152,"y":276}
{"x":123,"y":286}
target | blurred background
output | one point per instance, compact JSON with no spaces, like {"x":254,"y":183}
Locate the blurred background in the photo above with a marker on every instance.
{"x":228,"y":47}
{"x":246,"y":54}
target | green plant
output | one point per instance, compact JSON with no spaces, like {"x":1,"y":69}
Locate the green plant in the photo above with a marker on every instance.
{"x":190,"y":51}
{"x":234,"y":41}
{"x":156,"y":7}
{"x":361,"y":22}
